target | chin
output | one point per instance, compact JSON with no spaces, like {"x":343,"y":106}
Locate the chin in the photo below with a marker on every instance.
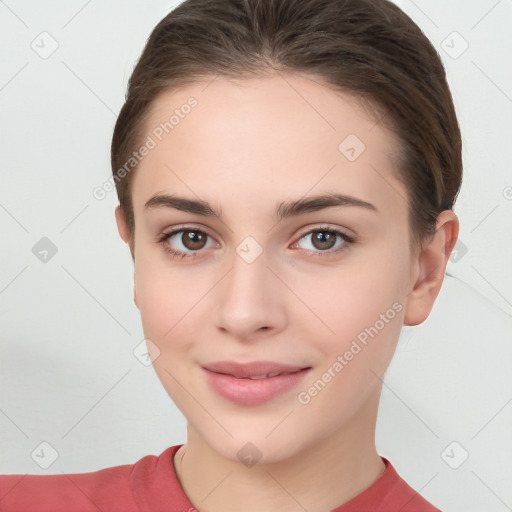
{"x":256,"y":447}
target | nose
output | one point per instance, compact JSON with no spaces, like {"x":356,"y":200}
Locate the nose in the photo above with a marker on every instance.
{"x":250,"y":302}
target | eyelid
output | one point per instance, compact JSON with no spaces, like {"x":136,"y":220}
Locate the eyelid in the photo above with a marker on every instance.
{"x":326,"y":227}
{"x":185,"y":227}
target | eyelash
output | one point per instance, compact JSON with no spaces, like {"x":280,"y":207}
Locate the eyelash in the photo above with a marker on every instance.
{"x":181,"y":254}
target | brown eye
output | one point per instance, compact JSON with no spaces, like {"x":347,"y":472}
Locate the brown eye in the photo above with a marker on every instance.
{"x":186,"y":242}
{"x":193,"y":240}
{"x":325,"y":241}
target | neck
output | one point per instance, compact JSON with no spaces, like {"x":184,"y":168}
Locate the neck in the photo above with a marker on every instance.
{"x":321,"y":477}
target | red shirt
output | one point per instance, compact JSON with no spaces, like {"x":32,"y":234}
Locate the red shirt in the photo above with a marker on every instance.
{"x":151,"y":485}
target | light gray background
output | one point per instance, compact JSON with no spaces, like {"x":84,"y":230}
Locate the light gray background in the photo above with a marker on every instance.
{"x":69,"y":326}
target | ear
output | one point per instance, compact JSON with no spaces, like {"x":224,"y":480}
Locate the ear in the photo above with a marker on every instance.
{"x":431,"y":267}
{"x":123,"y":229}
{"x":122,"y":225}
{"x":124,"y":233}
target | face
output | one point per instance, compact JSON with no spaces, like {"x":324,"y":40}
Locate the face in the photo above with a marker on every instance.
{"x":242,"y":270}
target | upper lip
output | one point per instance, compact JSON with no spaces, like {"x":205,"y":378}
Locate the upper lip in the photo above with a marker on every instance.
{"x":252,"y":369}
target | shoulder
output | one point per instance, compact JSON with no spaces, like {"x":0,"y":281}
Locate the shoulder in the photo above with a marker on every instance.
{"x":118,"y":488}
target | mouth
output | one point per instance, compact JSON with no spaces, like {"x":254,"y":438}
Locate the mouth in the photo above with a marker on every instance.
{"x":264,"y":376}
{"x":254,"y":369}
{"x":253,"y":383}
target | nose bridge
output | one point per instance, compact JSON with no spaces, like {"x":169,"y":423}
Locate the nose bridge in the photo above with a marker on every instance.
{"x":248,"y":298}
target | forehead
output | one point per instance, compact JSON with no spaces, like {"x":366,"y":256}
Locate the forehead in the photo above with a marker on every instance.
{"x":272,"y":137}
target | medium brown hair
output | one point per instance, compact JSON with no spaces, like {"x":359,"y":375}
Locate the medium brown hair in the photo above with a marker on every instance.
{"x":368,"y":48}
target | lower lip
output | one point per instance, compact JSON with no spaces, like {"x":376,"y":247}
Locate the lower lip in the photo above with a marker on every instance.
{"x":253,"y":391}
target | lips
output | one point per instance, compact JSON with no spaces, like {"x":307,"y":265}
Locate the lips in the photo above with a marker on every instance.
{"x":253,"y":370}
{"x":252,"y":383}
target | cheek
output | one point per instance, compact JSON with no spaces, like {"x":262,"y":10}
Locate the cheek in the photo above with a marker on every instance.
{"x":366,"y":314}
{"x":161,"y":299}
{"x":173,"y":304}
{"x":354,"y":298}
{"x":363,"y":309}
{"x":154,"y":302}
{"x":166,"y":306}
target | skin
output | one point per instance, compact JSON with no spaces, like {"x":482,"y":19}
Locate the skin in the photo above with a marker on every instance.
{"x":246,"y":147}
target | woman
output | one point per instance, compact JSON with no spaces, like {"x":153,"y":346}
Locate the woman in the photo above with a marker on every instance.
{"x":286,"y":172}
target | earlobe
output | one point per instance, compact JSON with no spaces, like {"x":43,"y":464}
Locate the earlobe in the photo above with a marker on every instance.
{"x":431,"y":268}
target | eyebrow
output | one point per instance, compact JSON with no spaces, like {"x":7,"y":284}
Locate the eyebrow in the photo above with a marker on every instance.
{"x":284,"y":210}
